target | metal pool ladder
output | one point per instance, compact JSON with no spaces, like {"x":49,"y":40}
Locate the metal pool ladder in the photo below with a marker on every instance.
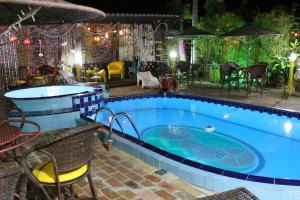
{"x":114,"y":117}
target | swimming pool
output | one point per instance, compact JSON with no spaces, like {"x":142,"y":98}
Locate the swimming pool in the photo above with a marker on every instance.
{"x":246,"y":142}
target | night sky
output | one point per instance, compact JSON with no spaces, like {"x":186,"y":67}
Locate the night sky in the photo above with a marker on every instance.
{"x":161,"y":6}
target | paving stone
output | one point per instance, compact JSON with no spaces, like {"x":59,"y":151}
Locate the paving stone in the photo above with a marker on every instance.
{"x":126,"y":164}
{"x":122,"y":169}
{"x":152,"y":178}
{"x":148,"y":195}
{"x":134,"y":177}
{"x":102,"y":198}
{"x":121,"y":198}
{"x":116,"y":158}
{"x":183,"y":195}
{"x":103,"y":175}
{"x":111,"y":163}
{"x":147,"y":183}
{"x":165,"y":195}
{"x":114,"y":182}
{"x":132,"y":184}
{"x":119,"y":176}
{"x":167,"y":186}
{"x":109,"y":193}
{"x":98,"y":184}
{"x":108,"y":169}
{"x":127,"y":194}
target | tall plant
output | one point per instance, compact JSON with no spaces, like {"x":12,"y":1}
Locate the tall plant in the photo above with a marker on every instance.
{"x":275,"y":50}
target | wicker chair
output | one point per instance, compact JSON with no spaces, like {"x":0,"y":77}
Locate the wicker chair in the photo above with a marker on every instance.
{"x":229,"y":73}
{"x":11,"y":136}
{"x":257,"y":72}
{"x":9,"y":180}
{"x":69,"y":160}
{"x":235,"y":194}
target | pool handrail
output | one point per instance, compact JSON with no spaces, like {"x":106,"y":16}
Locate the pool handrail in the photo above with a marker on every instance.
{"x":130,"y":120}
{"x":109,"y":110}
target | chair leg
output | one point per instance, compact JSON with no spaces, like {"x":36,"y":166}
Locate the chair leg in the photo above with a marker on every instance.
{"x":72,"y":195}
{"x":92,"y":186}
{"x":58,"y":190}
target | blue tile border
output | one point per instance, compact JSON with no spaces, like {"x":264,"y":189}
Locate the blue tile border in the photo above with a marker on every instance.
{"x":232,"y":174}
{"x":245,"y":106}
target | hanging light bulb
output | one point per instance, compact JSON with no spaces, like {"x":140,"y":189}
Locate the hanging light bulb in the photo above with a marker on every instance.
{"x":88,"y":28}
{"x":121,"y":32}
{"x":106,"y":35}
{"x":26,"y":41}
{"x":12,"y":38}
{"x":97,"y":38}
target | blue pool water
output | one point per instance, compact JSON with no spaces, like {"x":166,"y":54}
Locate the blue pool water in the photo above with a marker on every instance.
{"x":48,"y":91}
{"x":241,"y":140}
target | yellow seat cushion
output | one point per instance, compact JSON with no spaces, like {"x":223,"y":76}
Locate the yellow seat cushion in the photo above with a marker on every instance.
{"x":44,"y":173}
{"x":38,"y":78}
{"x":21,"y":82}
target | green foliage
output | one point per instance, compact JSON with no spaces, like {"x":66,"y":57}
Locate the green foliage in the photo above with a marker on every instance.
{"x":248,"y":50}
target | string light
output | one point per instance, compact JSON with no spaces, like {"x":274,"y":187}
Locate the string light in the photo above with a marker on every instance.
{"x":26,"y":41}
{"x":121,"y":32}
{"x":106,"y":35}
{"x":97,"y":38}
{"x":13,"y":38}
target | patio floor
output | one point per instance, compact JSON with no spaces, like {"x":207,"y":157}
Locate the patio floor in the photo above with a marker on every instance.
{"x":120,"y":176}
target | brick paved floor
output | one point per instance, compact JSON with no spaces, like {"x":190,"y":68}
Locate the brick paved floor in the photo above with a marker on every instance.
{"x":118,"y":175}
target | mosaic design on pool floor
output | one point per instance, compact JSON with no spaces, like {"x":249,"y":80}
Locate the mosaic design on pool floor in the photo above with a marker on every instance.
{"x":210,"y":148}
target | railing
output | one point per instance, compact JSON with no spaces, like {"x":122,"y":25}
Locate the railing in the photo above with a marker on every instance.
{"x":130,"y":120}
{"x":109,"y":110}
{"x":114,"y":117}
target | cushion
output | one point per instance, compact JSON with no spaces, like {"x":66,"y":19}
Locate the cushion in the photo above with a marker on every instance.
{"x":44,"y":173}
{"x":21,"y":82}
{"x":38,"y":77}
{"x":115,"y":71}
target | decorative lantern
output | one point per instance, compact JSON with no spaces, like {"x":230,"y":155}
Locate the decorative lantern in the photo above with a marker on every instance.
{"x":13,"y":38}
{"x":26,"y":41}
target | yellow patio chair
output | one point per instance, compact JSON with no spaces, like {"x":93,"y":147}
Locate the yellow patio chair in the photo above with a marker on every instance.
{"x":102,"y":74}
{"x":116,"y":67}
{"x":89,"y":73}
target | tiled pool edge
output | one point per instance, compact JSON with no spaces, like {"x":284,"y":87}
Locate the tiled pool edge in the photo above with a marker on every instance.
{"x":269,"y":110}
{"x":202,"y":178}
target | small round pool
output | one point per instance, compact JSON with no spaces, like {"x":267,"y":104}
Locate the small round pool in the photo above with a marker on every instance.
{"x":47,"y":91}
{"x":50,"y":106}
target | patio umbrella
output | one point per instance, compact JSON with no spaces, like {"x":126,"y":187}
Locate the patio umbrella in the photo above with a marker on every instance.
{"x":190,"y":34}
{"x":249,"y":29}
{"x":48,"y":12}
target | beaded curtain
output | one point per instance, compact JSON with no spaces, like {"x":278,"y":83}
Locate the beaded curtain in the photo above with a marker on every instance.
{"x":51,"y":44}
{"x":137,"y":41}
{"x":8,"y":61}
{"x":102,"y":51}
